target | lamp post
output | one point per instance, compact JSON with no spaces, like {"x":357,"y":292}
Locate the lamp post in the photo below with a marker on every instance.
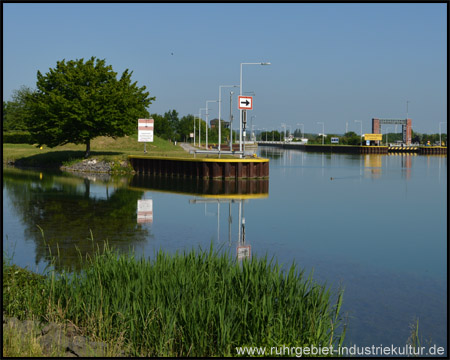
{"x":303,"y":129}
{"x":323,"y":131}
{"x":361,"y":130}
{"x":231,"y":122}
{"x":207,"y":101}
{"x":220,"y":103}
{"x":440,"y":141}
{"x":240,"y":93}
{"x":283,"y":126}
{"x":194,"y":128}
{"x":387,"y":135}
{"x":200,"y":127}
{"x":266,"y":133}
{"x":251,"y":126}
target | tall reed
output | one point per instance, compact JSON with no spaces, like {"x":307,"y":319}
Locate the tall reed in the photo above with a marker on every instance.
{"x":198,"y":303}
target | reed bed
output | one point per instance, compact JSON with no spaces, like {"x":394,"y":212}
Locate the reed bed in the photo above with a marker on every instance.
{"x":197,"y":303}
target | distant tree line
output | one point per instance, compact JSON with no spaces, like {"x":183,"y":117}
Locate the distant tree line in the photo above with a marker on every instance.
{"x":170,"y":127}
{"x":350,"y":138}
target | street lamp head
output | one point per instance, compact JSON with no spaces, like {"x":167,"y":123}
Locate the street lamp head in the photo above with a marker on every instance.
{"x":266,"y":63}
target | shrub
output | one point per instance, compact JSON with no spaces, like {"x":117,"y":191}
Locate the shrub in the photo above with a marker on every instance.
{"x":17,"y":137}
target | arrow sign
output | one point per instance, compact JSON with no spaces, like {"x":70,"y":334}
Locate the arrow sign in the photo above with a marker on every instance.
{"x":245,"y":103}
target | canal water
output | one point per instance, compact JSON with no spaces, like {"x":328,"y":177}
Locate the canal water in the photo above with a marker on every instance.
{"x":375,"y":225}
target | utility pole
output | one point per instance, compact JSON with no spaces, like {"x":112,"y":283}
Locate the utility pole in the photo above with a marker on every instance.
{"x":231,"y":122}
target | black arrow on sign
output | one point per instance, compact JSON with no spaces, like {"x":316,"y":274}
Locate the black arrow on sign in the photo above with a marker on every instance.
{"x":246,"y":102}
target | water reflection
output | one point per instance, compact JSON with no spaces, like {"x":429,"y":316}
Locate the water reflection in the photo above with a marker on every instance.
{"x":370,"y":165}
{"x":243,"y":248}
{"x":70,"y":216}
{"x":196,"y":186}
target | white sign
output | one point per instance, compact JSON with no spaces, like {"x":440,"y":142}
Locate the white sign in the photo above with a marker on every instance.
{"x":243,"y":252}
{"x":145,"y":211}
{"x":245,"y":102}
{"x":191,"y":135}
{"x":335,"y":140}
{"x":145,"y":130}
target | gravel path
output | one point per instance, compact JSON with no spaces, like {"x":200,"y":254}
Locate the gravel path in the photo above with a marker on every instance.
{"x":188,"y":147}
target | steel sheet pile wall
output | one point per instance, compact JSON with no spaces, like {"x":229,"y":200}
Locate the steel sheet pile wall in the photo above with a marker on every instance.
{"x":201,"y":168}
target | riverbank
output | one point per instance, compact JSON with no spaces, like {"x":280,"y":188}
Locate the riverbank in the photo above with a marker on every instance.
{"x":199,"y":303}
{"x":107,"y":156}
{"x":356,"y":149}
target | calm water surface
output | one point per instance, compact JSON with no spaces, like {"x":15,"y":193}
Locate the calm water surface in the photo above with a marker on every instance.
{"x":374,"y":224}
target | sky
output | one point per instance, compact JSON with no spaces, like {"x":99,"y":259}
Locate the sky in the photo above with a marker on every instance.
{"x":330,"y":63}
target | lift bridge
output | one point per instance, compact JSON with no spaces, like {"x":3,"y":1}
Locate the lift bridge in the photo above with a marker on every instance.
{"x":406,"y":127}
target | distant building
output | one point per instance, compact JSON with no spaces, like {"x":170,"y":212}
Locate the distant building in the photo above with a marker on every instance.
{"x":215,"y":122}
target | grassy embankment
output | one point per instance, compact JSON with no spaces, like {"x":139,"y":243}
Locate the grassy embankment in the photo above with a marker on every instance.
{"x":102,"y":148}
{"x":199,"y":303}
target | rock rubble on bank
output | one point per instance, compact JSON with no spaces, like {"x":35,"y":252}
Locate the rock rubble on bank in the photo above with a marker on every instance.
{"x":92,"y":165}
{"x":55,"y":338}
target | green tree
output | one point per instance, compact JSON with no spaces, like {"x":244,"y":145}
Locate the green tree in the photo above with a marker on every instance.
{"x":186,"y":127}
{"x":162,"y":127}
{"x":350,"y":138}
{"x":15,"y":111}
{"x":78,"y":101}
{"x":172,"y":118}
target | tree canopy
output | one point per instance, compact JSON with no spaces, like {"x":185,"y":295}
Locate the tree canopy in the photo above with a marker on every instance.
{"x":78,"y":101}
{"x":15,"y":111}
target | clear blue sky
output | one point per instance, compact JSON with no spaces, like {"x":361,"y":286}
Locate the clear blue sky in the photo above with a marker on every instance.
{"x":331,"y":63}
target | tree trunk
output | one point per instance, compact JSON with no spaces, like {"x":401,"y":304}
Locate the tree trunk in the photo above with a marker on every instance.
{"x":88,"y":149}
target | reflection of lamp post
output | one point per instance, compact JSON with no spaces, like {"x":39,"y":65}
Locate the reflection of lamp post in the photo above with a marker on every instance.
{"x":361,"y":131}
{"x":323,"y":131}
{"x":440,"y":142}
{"x":240,"y":93}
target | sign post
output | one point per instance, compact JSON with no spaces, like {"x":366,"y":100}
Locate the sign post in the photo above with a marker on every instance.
{"x":373,"y":137}
{"x":145,"y":131}
{"x":244,"y":103}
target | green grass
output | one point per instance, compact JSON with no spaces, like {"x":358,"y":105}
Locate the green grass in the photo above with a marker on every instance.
{"x":102,"y":148}
{"x":25,"y":344}
{"x":199,"y":303}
